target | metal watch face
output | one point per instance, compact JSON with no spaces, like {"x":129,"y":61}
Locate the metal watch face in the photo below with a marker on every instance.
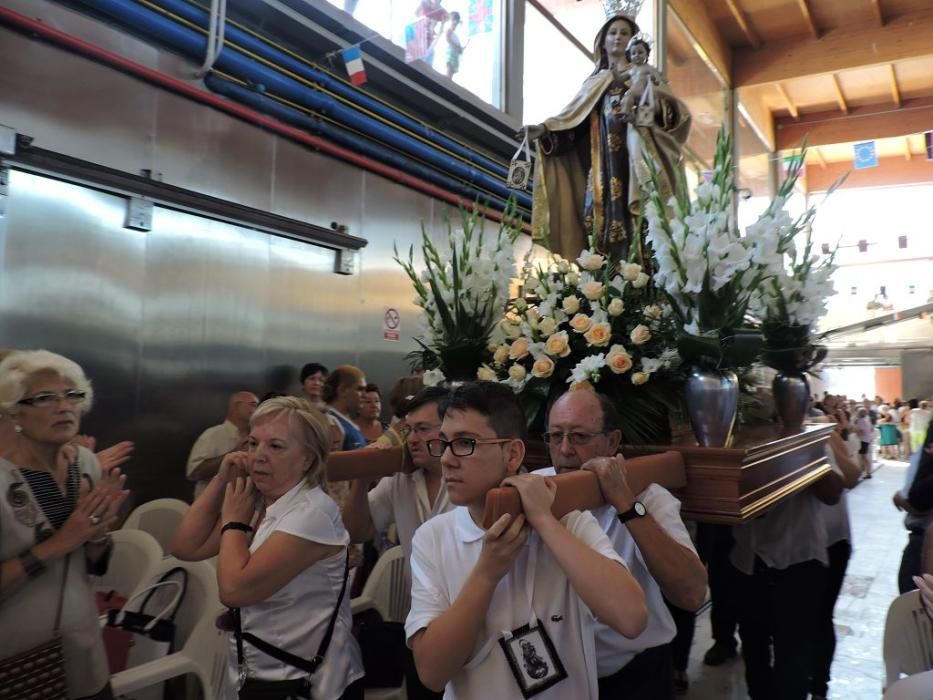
{"x":640,"y":509}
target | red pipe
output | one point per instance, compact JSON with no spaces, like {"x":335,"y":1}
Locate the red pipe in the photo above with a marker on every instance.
{"x":55,"y":36}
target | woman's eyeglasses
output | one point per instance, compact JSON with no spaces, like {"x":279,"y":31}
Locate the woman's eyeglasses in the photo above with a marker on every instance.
{"x":73,"y":396}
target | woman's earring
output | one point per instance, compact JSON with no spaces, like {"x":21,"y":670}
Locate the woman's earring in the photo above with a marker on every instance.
{"x":17,"y":428}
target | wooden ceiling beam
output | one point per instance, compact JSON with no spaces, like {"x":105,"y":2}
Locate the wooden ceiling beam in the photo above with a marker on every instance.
{"x":743,"y":23}
{"x":861,"y":124}
{"x":840,"y":97}
{"x":895,"y":88}
{"x":907,"y":152}
{"x":820,"y":158}
{"x":754,"y":110}
{"x":846,"y":48}
{"x":879,"y":15}
{"x":700,"y":27}
{"x":892,"y":170}
{"x":791,"y":107}
{"x":805,"y":11}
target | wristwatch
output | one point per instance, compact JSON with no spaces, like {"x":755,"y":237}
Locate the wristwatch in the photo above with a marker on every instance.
{"x":637,"y":510}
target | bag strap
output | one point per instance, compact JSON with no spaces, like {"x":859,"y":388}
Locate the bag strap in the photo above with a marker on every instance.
{"x":61,"y":595}
{"x":309,"y":667}
{"x":148,"y":591}
{"x":176,"y":603}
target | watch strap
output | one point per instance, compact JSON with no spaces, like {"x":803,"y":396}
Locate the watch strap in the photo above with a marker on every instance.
{"x":31,"y":564}
{"x":234,"y":525}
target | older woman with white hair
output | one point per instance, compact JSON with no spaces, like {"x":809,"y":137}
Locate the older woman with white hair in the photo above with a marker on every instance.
{"x":55,"y":513}
{"x":282,"y":559}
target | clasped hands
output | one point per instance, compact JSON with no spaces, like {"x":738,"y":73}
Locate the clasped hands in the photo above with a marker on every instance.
{"x":239,"y":503}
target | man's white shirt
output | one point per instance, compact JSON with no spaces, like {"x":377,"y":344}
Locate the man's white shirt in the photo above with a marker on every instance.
{"x":213,"y":442}
{"x":613,"y":650}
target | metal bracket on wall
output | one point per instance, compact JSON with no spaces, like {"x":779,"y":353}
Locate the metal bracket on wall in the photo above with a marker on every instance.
{"x":7,"y":140}
{"x":4,"y":188}
{"x":139,"y":214}
{"x":154,"y":193}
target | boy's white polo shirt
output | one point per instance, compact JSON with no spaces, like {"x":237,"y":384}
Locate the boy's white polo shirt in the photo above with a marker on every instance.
{"x":444,"y":552}
{"x":613,"y":650}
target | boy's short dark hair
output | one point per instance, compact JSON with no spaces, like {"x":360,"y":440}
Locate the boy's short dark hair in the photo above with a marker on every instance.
{"x":372,"y":389}
{"x":312,"y":368}
{"x":430,"y":394}
{"x":496,"y":402}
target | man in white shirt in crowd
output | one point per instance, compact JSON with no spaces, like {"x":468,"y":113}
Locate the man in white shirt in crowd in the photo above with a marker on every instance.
{"x":647,"y":532}
{"x":509,"y":611}
{"x":211,"y":446}
{"x":406,"y":499}
{"x":343,"y":391}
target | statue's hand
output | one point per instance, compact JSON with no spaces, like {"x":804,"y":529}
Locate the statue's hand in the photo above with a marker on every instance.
{"x":534,"y":131}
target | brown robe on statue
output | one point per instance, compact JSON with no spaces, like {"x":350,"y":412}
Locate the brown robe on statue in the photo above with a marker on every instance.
{"x":589,"y":165}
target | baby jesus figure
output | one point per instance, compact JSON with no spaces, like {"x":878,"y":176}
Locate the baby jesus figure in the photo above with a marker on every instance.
{"x":641,"y":77}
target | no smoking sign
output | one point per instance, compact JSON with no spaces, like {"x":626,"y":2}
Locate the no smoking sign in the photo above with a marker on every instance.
{"x":391,"y":324}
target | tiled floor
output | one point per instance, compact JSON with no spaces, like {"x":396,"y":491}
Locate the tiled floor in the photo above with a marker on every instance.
{"x":871,"y":584}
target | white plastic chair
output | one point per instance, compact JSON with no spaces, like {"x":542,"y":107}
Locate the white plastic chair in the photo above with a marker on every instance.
{"x":916,"y":687}
{"x":387,"y":591}
{"x":908,"y":638}
{"x":202,"y":648}
{"x":135,"y":554}
{"x":160,"y":518}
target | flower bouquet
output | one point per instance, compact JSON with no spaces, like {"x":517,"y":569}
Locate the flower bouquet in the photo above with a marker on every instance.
{"x":462,"y":293}
{"x":591,"y":323}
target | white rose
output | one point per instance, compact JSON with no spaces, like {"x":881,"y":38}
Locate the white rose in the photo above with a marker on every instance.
{"x":616,"y":307}
{"x":558,"y":345}
{"x":547,"y":326}
{"x":563,"y":266}
{"x":517,"y":373}
{"x":570,"y":304}
{"x":520,"y":304}
{"x":543,"y":367}
{"x":618,"y":360}
{"x":519,"y":348}
{"x":486,"y":373}
{"x":501,"y":354}
{"x":433,"y":377}
{"x":629,"y":271}
{"x":581,"y":323}
{"x":573,"y":278}
{"x":640,"y":334}
{"x":598,"y":336}
{"x":591,"y":261}
{"x":640,"y":281}
{"x":593,"y":290}
{"x":639,"y":378}
{"x":653,"y":311}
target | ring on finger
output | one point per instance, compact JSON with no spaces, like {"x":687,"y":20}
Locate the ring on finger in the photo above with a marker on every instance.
{"x":95,"y":519}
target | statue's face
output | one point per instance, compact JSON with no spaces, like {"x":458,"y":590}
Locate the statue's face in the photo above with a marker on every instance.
{"x":617,"y":38}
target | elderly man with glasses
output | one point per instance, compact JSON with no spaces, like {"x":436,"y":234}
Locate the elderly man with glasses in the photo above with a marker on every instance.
{"x":406,"y":499}
{"x":648,"y":533}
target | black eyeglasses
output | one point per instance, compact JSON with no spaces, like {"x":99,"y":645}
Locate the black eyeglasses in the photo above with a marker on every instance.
{"x":574,"y":437}
{"x":460,"y":447}
{"x":73,"y":396}
{"x":420,"y":429}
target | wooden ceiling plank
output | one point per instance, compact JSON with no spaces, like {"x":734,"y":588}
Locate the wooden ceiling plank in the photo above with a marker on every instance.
{"x":699,"y":25}
{"x":791,"y":107}
{"x":879,"y":15}
{"x":895,"y":88}
{"x":861,"y":124}
{"x":845,"y":48}
{"x":820,"y":158}
{"x":840,"y":97}
{"x":907,"y":153}
{"x":805,"y":10}
{"x":893,"y":170}
{"x":743,"y":23}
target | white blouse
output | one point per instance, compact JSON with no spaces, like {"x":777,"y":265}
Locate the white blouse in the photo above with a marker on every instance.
{"x":295,"y":617}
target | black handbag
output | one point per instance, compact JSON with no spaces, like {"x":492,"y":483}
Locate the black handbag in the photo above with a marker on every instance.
{"x":382,"y":645}
{"x":300,"y":688}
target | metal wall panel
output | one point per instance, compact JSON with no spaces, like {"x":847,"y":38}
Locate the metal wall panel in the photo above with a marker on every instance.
{"x":168,"y":323}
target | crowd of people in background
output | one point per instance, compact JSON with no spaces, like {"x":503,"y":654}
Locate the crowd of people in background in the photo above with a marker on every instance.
{"x":532,"y":592}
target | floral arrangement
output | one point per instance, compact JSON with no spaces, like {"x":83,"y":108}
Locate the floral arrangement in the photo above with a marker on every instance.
{"x":590,"y":323}
{"x":462,"y":293}
{"x":709,"y":271}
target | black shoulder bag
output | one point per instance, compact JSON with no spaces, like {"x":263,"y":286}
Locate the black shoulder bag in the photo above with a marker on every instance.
{"x":258,"y":689}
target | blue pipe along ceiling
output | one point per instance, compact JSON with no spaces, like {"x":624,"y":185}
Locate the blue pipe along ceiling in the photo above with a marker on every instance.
{"x":276,"y":83}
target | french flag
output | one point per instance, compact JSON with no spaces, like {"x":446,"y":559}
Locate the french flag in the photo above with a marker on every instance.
{"x":353,"y":60}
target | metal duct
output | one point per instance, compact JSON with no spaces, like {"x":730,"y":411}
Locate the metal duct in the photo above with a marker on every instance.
{"x":155,"y":26}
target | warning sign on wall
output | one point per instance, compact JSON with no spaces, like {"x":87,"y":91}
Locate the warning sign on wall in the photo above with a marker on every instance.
{"x":391,"y":324}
